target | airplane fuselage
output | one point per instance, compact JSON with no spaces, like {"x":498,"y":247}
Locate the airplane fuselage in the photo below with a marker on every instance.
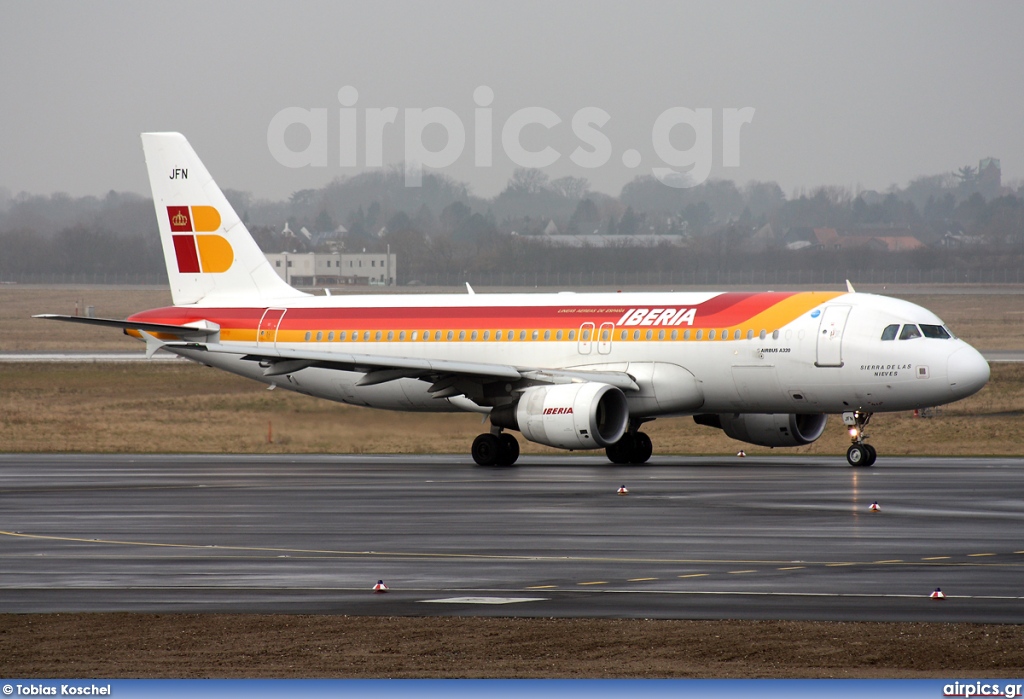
{"x":768,"y":352}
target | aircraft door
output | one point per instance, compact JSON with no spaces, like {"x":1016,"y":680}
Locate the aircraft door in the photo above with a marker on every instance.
{"x":830,"y":336}
{"x":586,"y":338}
{"x":269,"y":323}
{"x":604,"y":340}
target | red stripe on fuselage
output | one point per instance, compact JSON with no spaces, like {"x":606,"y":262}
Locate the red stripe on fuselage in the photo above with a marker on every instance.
{"x":724,"y":310}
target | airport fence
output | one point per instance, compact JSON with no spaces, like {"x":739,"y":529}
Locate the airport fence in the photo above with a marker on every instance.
{"x":766,"y":278}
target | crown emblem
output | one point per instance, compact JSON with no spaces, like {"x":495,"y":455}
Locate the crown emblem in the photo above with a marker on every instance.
{"x":179,"y":219}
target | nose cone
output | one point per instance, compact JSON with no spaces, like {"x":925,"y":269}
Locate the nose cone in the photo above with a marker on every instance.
{"x":968,"y":372}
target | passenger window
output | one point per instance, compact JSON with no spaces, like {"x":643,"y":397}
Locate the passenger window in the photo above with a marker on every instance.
{"x":936,"y":332}
{"x":910,"y":332}
{"x":890,"y":332}
{"x":572,"y":335}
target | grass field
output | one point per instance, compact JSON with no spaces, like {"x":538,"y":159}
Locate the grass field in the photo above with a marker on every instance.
{"x":188,"y":408}
{"x":150,"y":407}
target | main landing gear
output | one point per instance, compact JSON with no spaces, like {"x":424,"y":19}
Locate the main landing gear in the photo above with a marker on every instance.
{"x":860,"y":452}
{"x":495,"y":449}
{"x":634,"y":448}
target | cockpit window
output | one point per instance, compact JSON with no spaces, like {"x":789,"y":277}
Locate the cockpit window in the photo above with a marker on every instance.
{"x":935,"y":331}
{"x":910,"y":332}
{"x":890,"y":332}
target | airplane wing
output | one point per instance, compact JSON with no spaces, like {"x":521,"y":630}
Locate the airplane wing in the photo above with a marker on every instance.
{"x":449,"y":378}
{"x":445,"y":374}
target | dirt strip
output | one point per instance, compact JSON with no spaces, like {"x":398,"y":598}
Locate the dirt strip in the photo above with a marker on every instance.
{"x":284,"y":646}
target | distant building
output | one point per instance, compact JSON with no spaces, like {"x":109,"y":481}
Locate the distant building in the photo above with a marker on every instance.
{"x":805,"y":238}
{"x":614,"y":241}
{"x":335,"y":269}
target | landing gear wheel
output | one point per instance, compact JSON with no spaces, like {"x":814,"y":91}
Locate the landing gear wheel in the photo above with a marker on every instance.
{"x":509,"y":449}
{"x":858,"y":455}
{"x":486,"y":449}
{"x":643,"y":447}
{"x":618,"y":453}
{"x":631,"y":449}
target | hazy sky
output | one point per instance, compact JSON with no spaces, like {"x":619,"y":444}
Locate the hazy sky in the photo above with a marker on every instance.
{"x":858,"y":94}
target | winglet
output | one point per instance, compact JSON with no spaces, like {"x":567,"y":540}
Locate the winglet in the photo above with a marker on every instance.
{"x":849,"y":287}
{"x":469,"y":290}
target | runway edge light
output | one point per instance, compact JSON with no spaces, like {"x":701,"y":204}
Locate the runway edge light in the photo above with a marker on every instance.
{"x":874,"y":507}
{"x":380,"y":587}
{"x":937,"y":594}
{"x":623,"y":490}
{"x":741,"y":453}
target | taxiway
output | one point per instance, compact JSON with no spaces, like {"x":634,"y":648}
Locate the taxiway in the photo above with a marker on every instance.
{"x":785,"y":537}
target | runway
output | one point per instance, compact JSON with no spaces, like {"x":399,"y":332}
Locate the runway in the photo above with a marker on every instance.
{"x":783,"y":537}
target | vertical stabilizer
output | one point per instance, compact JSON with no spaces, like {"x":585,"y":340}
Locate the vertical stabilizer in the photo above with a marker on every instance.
{"x":210,"y":254}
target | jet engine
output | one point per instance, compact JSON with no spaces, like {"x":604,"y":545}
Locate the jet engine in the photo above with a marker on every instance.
{"x":767,"y":429}
{"x":568,"y":416}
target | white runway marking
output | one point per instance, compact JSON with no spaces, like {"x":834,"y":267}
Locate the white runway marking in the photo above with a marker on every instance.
{"x":485,"y":600}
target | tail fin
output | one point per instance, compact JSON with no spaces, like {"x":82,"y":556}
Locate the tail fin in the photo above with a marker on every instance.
{"x":208,"y":251}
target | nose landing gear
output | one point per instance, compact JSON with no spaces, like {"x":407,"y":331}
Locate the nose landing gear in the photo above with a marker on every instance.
{"x":860,"y":452}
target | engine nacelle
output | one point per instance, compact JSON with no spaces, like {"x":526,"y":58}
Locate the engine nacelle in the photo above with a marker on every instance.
{"x":768,"y":429}
{"x":568,"y":416}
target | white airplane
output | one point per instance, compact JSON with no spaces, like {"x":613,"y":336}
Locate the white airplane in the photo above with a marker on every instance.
{"x":573,"y":371}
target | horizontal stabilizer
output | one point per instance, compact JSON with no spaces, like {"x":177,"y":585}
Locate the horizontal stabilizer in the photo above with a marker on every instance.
{"x":179,"y":330}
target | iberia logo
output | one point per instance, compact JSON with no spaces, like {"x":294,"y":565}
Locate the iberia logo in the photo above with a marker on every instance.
{"x":199,"y":253}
